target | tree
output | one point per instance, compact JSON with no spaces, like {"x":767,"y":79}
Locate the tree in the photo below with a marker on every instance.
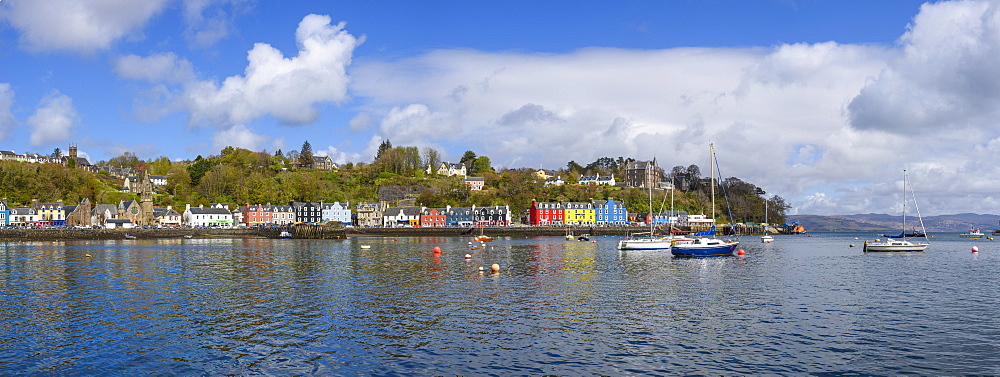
{"x":57,"y":153}
{"x":481,"y":165}
{"x":384,"y":146}
{"x":306,"y":155}
{"x":432,"y":158}
{"x":467,"y":158}
{"x":198,"y":169}
{"x":125,"y":160}
{"x":575,"y":168}
{"x":278,"y":153}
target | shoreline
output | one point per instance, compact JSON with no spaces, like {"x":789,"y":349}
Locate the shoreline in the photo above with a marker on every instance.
{"x":299,"y":231}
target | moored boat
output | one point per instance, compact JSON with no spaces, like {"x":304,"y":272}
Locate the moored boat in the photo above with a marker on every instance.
{"x":705,"y":243}
{"x":973,"y":234}
{"x":285,"y":235}
{"x":901,"y":243}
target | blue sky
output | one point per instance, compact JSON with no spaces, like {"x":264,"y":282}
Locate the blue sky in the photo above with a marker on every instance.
{"x":820,"y":102}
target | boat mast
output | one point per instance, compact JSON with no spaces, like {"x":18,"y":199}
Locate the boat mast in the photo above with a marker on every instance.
{"x":904,"y":203}
{"x":711,"y":161}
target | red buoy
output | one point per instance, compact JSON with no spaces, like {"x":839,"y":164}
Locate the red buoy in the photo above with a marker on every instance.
{"x":437,"y":250}
{"x":975,"y":249}
{"x":740,"y":252}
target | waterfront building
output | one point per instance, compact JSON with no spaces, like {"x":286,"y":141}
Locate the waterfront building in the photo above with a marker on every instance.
{"x":434,"y":217}
{"x":282,"y":215}
{"x":103,"y":212}
{"x":49,"y":214}
{"x":79,"y":215}
{"x":24,"y":217}
{"x":255,"y":215}
{"x":401,"y":216}
{"x":308,"y":212}
{"x":545,"y":214}
{"x":459,"y":216}
{"x":491,"y":216}
{"x":369,"y":214}
{"x":610,"y":212}
{"x":578,"y":213}
{"x":168,"y":217}
{"x":4,"y":213}
{"x":337,"y":213}
{"x":213,"y":217}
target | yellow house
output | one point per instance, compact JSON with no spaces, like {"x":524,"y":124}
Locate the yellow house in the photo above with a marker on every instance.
{"x":578,"y":213}
{"x":49,"y":213}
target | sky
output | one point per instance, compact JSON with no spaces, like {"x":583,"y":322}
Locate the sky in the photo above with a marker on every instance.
{"x":821,"y":102}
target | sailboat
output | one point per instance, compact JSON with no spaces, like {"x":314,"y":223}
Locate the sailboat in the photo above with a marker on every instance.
{"x":646,"y":241}
{"x":901,"y":244}
{"x":703,"y":246}
{"x":482,"y":237}
{"x":766,"y":238}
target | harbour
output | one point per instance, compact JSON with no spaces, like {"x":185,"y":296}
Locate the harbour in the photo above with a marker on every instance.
{"x":799,"y":305}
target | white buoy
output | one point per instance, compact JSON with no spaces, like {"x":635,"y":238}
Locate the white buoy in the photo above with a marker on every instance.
{"x":467,"y":256}
{"x":975,"y":249}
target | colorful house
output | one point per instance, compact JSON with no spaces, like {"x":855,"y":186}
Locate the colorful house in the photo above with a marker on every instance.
{"x":4,"y":213}
{"x":610,"y":212}
{"x":546,"y":214}
{"x":578,"y":213}
{"x":459,"y":216}
{"x":256,"y":215}
{"x":434,"y":217}
{"x":49,"y":214}
{"x":337,"y":213}
{"x":475,"y":183}
{"x":307,"y":212}
{"x":491,"y":216}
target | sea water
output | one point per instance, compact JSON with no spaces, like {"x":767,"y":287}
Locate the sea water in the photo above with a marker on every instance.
{"x":801,"y":305}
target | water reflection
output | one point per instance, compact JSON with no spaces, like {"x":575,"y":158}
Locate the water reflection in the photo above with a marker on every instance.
{"x":233,"y":306}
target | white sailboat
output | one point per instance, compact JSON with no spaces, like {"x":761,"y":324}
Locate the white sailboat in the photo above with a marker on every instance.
{"x":901,"y":244}
{"x":646,"y":241}
{"x":702,"y":246}
{"x":766,"y":238}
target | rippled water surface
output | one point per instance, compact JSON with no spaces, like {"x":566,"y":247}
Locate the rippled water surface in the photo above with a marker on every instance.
{"x":800,"y":305}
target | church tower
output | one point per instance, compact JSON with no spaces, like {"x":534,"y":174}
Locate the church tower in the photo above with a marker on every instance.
{"x":146,"y":200}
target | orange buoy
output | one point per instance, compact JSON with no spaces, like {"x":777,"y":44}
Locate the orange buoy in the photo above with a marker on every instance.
{"x":437,"y":250}
{"x":975,"y":249}
{"x":395,"y":239}
{"x":495,"y":267}
{"x":740,"y":252}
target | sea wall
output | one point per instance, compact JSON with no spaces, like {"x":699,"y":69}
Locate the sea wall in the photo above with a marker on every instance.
{"x":326,"y":232}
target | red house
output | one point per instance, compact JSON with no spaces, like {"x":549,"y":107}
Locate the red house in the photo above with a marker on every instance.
{"x":256,"y":214}
{"x":541,"y":214}
{"x":433,"y":217}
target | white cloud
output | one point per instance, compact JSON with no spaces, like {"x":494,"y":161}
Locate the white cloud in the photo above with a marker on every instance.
{"x":7,"y":120}
{"x":78,"y":26}
{"x":945,"y":76}
{"x":827,"y":126}
{"x":53,"y":121}
{"x":286,"y":88}
{"x":165,"y":67}
{"x":360,"y":122}
{"x":239,"y":137}
{"x":209,"y":21}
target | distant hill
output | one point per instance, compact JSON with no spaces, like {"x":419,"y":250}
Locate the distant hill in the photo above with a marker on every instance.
{"x":882,"y":223}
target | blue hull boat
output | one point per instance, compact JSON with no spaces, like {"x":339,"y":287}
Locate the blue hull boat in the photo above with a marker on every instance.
{"x":705,"y":247}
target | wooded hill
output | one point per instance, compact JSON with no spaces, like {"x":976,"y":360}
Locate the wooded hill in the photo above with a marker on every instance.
{"x":239,"y":176}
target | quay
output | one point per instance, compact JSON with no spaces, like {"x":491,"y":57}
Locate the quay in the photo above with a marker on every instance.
{"x":301,"y":231}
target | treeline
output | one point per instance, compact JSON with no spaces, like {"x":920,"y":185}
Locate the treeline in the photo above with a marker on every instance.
{"x":240,"y":176}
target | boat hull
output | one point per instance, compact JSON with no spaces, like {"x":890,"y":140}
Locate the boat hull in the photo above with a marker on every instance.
{"x":894,"y":246}
{"x":644,"y":244}
{"x":704,"y":249}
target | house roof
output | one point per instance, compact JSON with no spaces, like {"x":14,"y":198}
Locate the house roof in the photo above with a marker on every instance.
{"x":209,"y":211}
{"x":407,"y":211}
{"x":160,"y":212}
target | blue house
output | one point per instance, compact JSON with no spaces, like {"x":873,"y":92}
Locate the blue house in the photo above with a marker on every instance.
{"x":4,"y":214}
{"x":610,"y":212}
{"x":459,"y":217}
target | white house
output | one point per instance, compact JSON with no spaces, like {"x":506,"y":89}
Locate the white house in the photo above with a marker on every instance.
{"x":401,"y":216}
{"x":554,"y":181}
{"x":208,"y":217}
{"x":448,"y":169}
{"x":337,"y":212}
{"x":700,"y":220}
